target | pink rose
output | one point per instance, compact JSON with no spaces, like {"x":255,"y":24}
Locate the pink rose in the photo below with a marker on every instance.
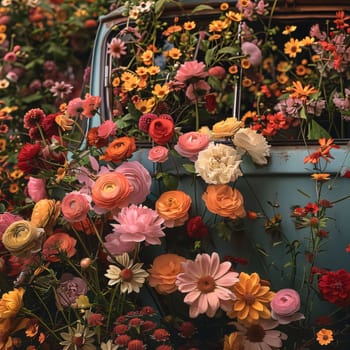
{"x":158,"y":154}
{"x":191,"y":143}
{"x":191,"y":69}
{"x":285,"y":306}
{"x":36,"y":189}
{"x":106,"y":129}
{"x":75,"y":206}
{"x":6,"y":219}
{"x":139,"y":179}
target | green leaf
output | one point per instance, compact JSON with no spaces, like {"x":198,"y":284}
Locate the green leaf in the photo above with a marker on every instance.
{"x":209,"y":56}
{"x":189,"y":167}
{"x":316,"y":131}
{"x":202,"y":7}
{"x":170,"y":181}
{"x":228,"y":50}
{"x":32,"y":98}
{"x":159,"y":7}
{"x":223,"y":230}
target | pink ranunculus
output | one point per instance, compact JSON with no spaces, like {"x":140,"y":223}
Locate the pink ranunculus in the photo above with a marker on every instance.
{"x":6,"y":219}
{"x":285,"y":306}
{"x":75,"y":206}
{"x":116,"y":246}
{"x":197,"y":90}
{"x":139,"y":178}
{"x":191,"y":69}
{"x":253,"y":52}
{"x":138,"y":224}
{"x":107,"y":129}
{"x":158,"y":154}
{"x":36,"y":188}
{"x":191,"y":143}
{"x":217,"y":71}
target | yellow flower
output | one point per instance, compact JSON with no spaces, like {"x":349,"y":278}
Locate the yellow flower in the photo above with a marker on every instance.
{"x":224,"y":6}
{"x":234,"y":16}
{"x":307,"y":41}
{"x":174,"y":53}
{"x":292,"y":47}
{"x":45,"y":214}
{"x":153,"y":70}
{"x":147,"y":57}
{"x":83,"y":302}
{"x":3,"y":37}
{"x":131,"y":84}
{"x":282,"y":78}
{"x":142,"y":71}
{"x":13,"y":188}
{"x":2,"y":145}
{"x":145,"y":106}
{"x":161,"y":91}
{"x":324,"y":336}
{"x":11,"y":303}
{"x":16,"y":174}
{"x":64,"y":122}
{"x":252,"y":300}
{"x":300,"y":91}
{"x":218,"y":25}
{"x":189,"y":25}
{"x":233,"y":341}
{"x":22,"y":238}
{"x":283,"y":67}
{"x":226,"y":128}
{"x":289,"y":29}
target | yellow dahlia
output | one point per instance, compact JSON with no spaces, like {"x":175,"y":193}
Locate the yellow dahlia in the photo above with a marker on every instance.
{"x":252,"y":299}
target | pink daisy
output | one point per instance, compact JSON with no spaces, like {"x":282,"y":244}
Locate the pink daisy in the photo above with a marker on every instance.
{"x":116,"y":48}
{"x":137,"y":224}
{"x":206,"y":282}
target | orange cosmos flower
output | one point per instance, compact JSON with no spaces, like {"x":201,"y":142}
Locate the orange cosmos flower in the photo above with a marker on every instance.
{"x":320,"y":177}
{"x":174,"y":53}
{"x":300,"y":91}
{"x":189,"y":25}
{"x":324,"y":336}
{"x":234,"y":16}
{"x":153,"y":70}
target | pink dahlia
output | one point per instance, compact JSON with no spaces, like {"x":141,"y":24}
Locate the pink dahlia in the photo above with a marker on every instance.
{"x":189,"y":70}
{"x":206,"y":282}
{"x":137,"y":224}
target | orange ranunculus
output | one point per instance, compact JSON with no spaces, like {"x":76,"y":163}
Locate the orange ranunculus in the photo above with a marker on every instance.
{"x":11,"y":303}
{"x":119,"y":149}
{"x":111,"y":190}
{"x":225,"y":201}
{"x":162,"y":274}
{"x":45,"y":214}
{"x":173,"y":207}
{"x":59,"y":243}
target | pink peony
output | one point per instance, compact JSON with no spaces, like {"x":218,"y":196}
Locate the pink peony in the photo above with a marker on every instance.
{"x":138,"y":224}
{"x":158,"y":154}
{"x":75,"y":206}
{"x":191,"y":143}
{"x":206,"y":282}
{"x":107,"y":129}
{"x":75,"y":107}
{"x":189,"y":70}
{"x":139,"y":179}
{"x":36,"y":189}
{"x":285,"y":306}
{"x":6,"y":219}
{"x":116,"y":246}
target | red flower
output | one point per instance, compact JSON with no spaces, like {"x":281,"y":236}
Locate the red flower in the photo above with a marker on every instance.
{"x":335,"y":287}
{"x":196,"y":228}
{"x":49,"y":125}
{"x":27,"y":158}
{"x":161,"y":130}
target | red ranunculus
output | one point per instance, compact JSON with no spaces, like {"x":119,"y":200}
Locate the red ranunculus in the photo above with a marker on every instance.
{"x":335,"y":287}
{"x":196,"y":228}
{"x":161,"y":130}
{"x":26,"y":158}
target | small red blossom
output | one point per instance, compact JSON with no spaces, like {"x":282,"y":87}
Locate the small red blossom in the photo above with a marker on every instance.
{"x":160,"y":334}
{"x":335,"y":287}
{"x":311,"y":208}
{"x":196,"y":228}
{"x":347,"y":249}
{"x":120,"y":329}
{"x":187,"y":329}
{"x":95,"y":319}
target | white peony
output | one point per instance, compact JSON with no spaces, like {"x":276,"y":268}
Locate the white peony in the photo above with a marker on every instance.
{"x":255,"y":144}
{"x":218,"y":164}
